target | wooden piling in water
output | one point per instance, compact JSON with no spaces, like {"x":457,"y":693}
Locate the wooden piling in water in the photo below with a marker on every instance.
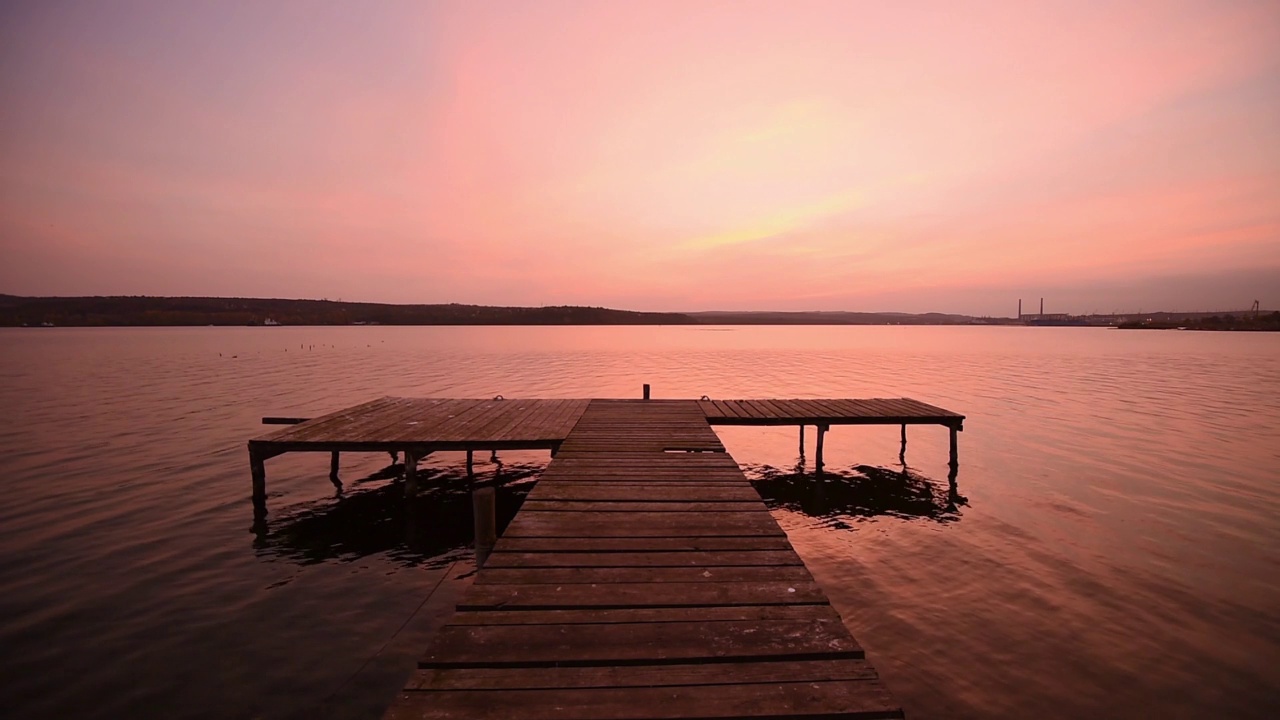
{"x":817,"y":459}
{"x":410,"y":473}
{"x":258,"y":467}
{"x":333,"y":470}
{"x":646,"y":391}
{"x":802,"y":441}
{"x":955,"y":451}
{"x":484,"y":517}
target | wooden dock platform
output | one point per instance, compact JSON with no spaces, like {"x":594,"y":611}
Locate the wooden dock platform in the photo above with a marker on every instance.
{"x":643,"y":577}
{"x":636,"y":582}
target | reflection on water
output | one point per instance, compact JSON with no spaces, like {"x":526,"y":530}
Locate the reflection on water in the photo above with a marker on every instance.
{"x":372,"y":517}
{"x":861,"y":491}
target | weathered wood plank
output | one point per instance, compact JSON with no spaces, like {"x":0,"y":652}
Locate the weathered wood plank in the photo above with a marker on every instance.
{"x":635,"y":506}
{"x":569,"y":576}
{"x":847,"y":699}
{"x":641,"y":524}
{"x":642,"y":675}
{"x":618,"y":595}
{"x":645,"y":492}
{"x":506,"y":543}
{"x":638,"y":643}
{"x":653,"y":559}
{"x":710,"y":613}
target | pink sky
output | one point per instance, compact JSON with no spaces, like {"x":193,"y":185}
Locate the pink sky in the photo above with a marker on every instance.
{"x":688,"y":155}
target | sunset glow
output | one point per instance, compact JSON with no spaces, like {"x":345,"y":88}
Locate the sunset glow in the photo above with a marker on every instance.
{"x":654,"y":156}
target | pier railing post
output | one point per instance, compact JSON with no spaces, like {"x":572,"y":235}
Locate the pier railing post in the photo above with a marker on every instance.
{"x":484,"y":516}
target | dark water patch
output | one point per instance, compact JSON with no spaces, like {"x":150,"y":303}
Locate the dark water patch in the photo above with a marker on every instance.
{"x":857,"y":492}
{"x":373,"y":517}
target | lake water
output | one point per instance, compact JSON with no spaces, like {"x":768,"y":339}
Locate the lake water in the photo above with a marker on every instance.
{"x":1113,"y":549}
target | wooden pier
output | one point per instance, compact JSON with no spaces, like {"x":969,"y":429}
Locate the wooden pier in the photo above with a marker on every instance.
{"x":643,"y":577}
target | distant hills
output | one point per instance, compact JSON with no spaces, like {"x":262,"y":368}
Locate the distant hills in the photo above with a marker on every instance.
{"x":161,"y":311}
{"x":833,"y":318}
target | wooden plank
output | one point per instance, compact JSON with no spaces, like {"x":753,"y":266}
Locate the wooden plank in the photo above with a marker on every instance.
{"x":804,"y":410}
{"x":640,"y":506}
{"x":640,"y":524}
{"x":420,"y":421}
{"x":649,"y":492}
{"x":618,"y":595}
{"x":506,"y":543}
{"x":773,"y":409}
{"x":748,"y":409}
{"x":710,"y":613}
{"x":830,"y":411}
{"x":773,"y":700}
{"x":460,"y":646}
{"x":853,"y":409}
{"x":525,"y":419}
{"x":701,"y":674}
{"x":301,"y":430}
{"x":650,"y":559}
{"x":568,"y":576}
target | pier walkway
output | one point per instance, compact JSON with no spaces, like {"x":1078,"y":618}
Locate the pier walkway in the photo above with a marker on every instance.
{"x":643,"y":577}
{"x":638,"y":582}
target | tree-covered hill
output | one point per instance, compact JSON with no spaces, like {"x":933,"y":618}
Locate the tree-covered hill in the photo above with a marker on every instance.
{"x":147,"y":311}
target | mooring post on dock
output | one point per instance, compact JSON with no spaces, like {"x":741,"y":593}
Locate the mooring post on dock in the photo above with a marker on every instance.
{"x":410,"y":473}
{"x":646,"y":391}
{"x":817,"y":459}
{"x":484,"y":516}
{"x":333,"y":470}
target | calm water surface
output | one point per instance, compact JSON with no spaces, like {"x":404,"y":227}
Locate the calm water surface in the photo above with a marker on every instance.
{"x":1112,"y":550}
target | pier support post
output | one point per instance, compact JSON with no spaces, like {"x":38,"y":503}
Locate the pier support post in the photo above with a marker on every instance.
{"x":470,"y":463}
{"x":802,"y":442}
{"x":258,"y":466}
{"x":410,"y":473}
{"x":955,"y":454}
{"x":822,"y":431}
{"x":484,"y":517}
{"x":333,"y":471}
{"x":646,"y":391}
{"x":902,"y":453}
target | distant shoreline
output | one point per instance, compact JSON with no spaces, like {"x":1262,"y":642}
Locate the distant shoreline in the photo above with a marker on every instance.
{"x":145,"y":311}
